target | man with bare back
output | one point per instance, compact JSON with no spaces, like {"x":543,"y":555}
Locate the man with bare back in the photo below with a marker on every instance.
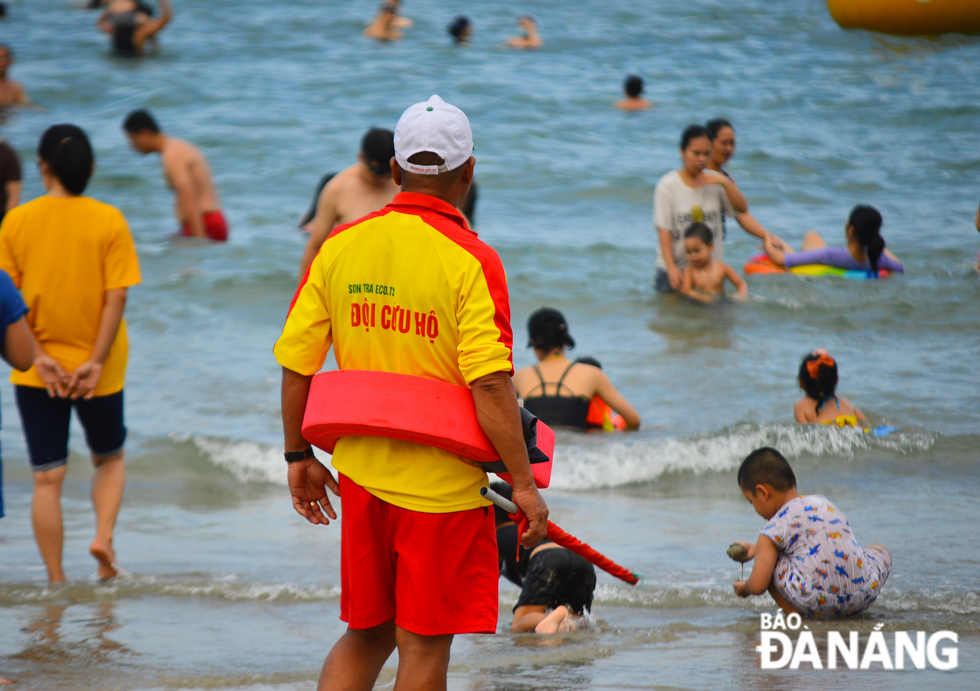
{"x":187,"y":172}
{"x":355,"y":192}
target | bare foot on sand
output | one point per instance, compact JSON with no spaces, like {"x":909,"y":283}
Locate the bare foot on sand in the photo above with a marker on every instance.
{"x":553,"y":621}
{"x":106,"y":557}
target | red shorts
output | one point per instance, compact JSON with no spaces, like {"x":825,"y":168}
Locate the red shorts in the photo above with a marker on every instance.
{"x":214,"y":226}
{"x":434,"y":573}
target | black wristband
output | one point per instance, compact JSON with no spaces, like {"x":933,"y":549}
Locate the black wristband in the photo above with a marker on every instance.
{"x":296,"y":456}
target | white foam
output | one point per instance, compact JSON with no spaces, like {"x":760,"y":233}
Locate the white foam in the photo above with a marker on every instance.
{"x":619,"y":463}
{"x":248,"y":461}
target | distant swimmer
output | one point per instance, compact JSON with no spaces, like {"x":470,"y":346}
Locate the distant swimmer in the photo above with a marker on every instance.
{"x":11,"y":93}
{"x":355,"y":192}
{"x":865,"y":249}
{"x":74,"y":260}
{"x":704,"y":277}
{"x":633,"y":87}
{"x":385,"y":26}
{"x":691,"y":194}
{"x":9,"y":178}
{"x":187,"y":172}
{"x":977,"y":223}
{"x":559,"y":391}
{"x":807,"y":556}
{"x":530,"y":39}
{"x":818,"y":379}
{"x":131,"y":24}
{"x":461,"y":29}
{"x":722,"y":149}
{"x":557,"y":586}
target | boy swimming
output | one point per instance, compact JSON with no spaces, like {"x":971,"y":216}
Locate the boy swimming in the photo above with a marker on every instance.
{"x":818,"y":378}
{"x":807,"y":558}
{"x":704,"y":276}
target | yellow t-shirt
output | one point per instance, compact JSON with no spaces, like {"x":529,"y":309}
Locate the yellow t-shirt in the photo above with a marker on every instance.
{"x":412,"y":290}
{"x":64,"y":254}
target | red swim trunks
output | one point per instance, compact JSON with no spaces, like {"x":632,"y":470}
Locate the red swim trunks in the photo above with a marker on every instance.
{"x":434,"y":573}
{"x":214,"y":226}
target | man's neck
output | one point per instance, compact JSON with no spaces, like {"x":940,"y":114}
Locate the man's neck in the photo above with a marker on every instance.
{"x":432,"y":193}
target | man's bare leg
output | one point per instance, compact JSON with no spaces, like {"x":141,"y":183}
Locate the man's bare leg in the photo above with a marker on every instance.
{"x":780,"y":600}
{"x":46,"y":518}
{"x":812,"y":241}
{"x":356,"y":659}
{"x":107,"y":492}
{"x":423,"y":661}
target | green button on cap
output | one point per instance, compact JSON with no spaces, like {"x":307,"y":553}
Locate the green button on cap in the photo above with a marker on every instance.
{"x":429,"y":108}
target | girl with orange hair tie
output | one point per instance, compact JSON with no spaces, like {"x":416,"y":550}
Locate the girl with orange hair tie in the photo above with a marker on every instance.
{"x":818,"y":378}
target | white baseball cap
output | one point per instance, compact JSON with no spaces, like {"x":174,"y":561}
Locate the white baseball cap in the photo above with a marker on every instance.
{"x":434,"y":126}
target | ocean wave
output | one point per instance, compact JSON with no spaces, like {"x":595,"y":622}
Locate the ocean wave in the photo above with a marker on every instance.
{"x":130,"y":586}
{"x":600,"y":463}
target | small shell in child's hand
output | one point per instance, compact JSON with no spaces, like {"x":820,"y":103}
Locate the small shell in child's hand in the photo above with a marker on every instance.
{"x":738,"y":552}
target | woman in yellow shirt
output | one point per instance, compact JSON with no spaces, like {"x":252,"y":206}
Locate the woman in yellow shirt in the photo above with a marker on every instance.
{"x":73,"y":259}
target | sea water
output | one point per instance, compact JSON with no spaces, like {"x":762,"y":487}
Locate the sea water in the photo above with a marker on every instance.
{"x":227,"y":587}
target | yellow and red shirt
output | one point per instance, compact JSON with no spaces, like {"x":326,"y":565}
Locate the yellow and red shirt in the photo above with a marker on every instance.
{"x":409,"y":289}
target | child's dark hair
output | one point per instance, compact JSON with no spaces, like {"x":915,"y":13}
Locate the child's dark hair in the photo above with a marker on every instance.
{"x":866,"y":221}
{"x":589,"y":360}
{"x":766,"y":466}
{"x":692,"y":132}
{"x":701,"y":232}
{"x":818,"y":376}
{"x":547,"y":330}
{"x":633,"y":86}
{"x":507,"y":492}
{"x":68,"y":152}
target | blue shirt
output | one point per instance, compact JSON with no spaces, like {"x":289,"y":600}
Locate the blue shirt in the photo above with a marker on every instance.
{"x":12,"y":308}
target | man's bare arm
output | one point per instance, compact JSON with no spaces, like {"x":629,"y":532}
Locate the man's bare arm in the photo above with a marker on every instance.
{"x":323,"y":223}
{"x":500,"y":417}
{"x":13,"y":194}
{"x":177,"y":167}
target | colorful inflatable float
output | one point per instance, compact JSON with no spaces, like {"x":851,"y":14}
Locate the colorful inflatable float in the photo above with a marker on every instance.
{"x":760,"y":263}
{"x":908,"y":17}
{"x":348,"y":403}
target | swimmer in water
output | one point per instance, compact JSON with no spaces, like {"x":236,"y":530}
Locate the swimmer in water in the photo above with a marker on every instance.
{"x":865,"y":249}
{"x":530,"y":39}
{"x":11,"y":93}
{"x":559,"y":392}
{"x":557,"y":586}
{"x":386,"y":24}
{"x":818,"y":378}
{"x":704,"y":276}
{"x":977,"y":223}
{"x":633,"y":87}
{"x":131,"y":24}
{"x":355,"y":192}
{"x":461,"y":29}
{"x":187,"y":172}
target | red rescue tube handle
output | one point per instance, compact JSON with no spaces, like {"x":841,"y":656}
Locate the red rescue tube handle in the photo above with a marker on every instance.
{"x":569,"y":542}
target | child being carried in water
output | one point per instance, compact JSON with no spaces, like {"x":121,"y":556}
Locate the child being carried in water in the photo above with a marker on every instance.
{"x":818,"y":378}
{"x":806,"y":557}
{"x":704,"y":277}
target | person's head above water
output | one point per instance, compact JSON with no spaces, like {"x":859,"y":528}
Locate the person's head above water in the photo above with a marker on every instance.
{"x":65,"y":153}
{"x":377,"y":150}
{"x":818,"y":376}
{"x":434,"y":151}
{"x":722,"y":140}
{"x":698,"y":244}
{"x":865,"y":224}
{"x":460,"y":29}
{"x":767,"y":481}
{"x":547,"y":331}
{"x":142,"y":130}
{"x":695,"y":148}
{"x":633,"y":86}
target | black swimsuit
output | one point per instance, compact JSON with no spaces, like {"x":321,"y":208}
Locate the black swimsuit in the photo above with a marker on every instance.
{"x":123,"y":28}
{"x":569,"y":412}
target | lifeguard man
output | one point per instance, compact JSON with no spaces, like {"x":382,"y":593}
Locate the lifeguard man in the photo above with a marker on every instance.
{"x":409,"y":289}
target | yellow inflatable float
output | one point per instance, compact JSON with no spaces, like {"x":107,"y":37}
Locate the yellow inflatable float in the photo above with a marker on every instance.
{"x":908,"y":17}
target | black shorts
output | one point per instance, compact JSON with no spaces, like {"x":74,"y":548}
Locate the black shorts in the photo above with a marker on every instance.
{"x":557,"y":577}
{"x":46,"y":421}
{"x":662,"y":282}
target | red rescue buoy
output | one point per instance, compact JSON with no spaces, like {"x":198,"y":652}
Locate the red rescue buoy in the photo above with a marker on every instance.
{"x":347,"y":403}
